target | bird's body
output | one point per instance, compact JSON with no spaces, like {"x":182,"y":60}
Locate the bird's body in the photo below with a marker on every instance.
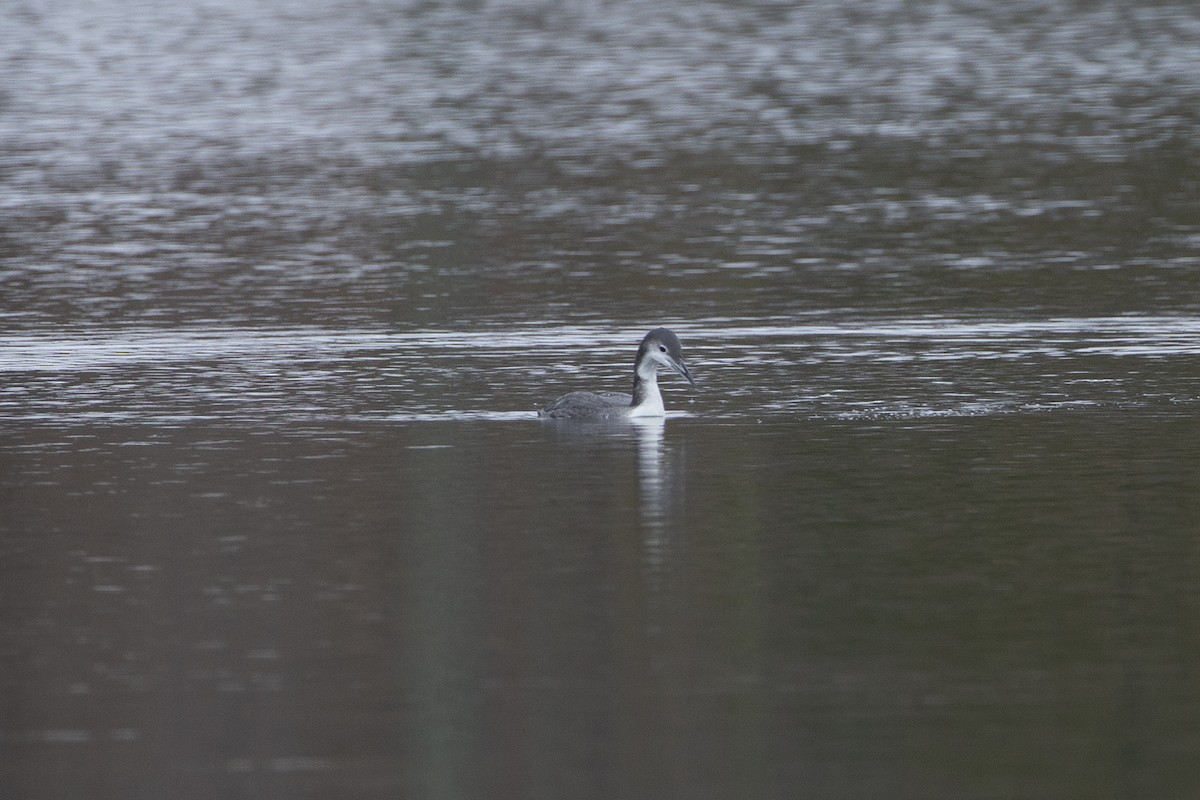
{"x":659,"y":348}
{"x":589,"y":404}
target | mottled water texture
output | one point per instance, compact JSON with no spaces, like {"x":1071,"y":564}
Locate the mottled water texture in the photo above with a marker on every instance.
{"x":283,"y":284}
{"x":440,"y":165}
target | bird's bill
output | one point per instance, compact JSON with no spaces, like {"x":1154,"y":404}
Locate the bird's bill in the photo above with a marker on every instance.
{"x":682,"y":369}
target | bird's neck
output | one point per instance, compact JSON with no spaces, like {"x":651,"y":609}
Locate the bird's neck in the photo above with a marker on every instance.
{"x":647,"y":399}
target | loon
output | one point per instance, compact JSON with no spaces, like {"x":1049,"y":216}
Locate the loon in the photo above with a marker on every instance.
{"x":659,"y":348}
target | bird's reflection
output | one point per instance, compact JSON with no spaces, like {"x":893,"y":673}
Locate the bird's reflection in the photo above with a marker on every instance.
{"x":655,"y":480}
{"x":659,"y":479}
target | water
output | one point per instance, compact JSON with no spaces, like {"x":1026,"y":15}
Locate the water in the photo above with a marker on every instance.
{"x":283,"y":285}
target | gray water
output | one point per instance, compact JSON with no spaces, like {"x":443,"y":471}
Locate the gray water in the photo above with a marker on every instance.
{"x":282,"y":286}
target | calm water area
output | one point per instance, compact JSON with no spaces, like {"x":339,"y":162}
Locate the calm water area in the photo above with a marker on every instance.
{"x":283,"y":284}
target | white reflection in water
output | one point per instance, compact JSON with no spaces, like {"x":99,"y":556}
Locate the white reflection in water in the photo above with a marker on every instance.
{"x":659,"y":481}
{"x":649,"y":432}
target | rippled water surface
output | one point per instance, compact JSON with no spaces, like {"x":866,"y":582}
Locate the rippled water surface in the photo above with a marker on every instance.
{"x":282,"y":286}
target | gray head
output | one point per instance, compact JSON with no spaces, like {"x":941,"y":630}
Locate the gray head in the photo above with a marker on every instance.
{"x":661,"y":348}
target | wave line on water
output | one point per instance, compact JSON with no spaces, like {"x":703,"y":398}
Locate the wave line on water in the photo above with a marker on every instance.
{"x":26,"y":352}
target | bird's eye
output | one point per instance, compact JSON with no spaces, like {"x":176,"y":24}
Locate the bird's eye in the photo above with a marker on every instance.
{"x":662,"y":349}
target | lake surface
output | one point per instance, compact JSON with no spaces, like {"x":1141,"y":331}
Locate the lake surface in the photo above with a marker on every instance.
{"x":282,"y":286}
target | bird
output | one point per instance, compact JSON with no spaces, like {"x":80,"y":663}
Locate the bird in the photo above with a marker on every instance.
{"x":659,"y":348}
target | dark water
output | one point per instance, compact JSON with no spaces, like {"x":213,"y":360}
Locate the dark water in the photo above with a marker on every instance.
{"x":282,"y":284}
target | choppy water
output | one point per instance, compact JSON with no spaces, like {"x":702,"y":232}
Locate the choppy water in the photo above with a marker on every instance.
{"x":283,"y":284}
{"x":896,"y":367}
